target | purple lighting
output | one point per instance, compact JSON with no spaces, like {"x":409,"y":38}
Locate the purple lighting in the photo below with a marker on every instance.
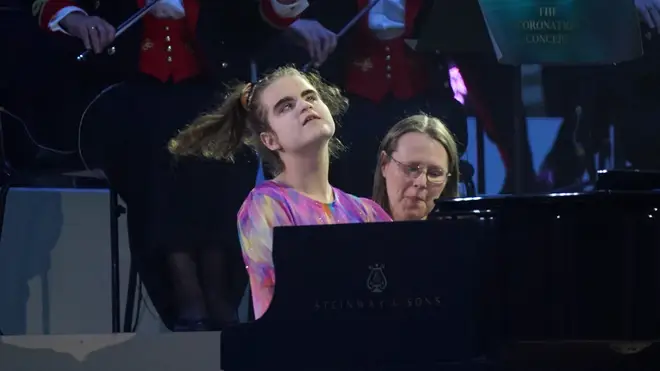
{"x":457,"y":84}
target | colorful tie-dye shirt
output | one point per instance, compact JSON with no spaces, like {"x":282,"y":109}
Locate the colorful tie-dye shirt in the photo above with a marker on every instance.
{"x":273,"y":204}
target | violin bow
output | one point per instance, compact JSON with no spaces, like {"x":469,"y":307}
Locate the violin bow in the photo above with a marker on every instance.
{"x":348,"y":26}
{"x":128,"y":23}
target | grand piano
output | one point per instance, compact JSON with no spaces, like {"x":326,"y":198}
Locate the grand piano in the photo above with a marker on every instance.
{"x":553,"y":281}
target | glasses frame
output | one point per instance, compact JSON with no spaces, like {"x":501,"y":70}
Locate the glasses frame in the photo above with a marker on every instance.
{"x":409,"y":170}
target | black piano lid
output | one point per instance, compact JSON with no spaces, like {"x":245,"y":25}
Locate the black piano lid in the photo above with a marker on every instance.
{"x":625,"y":188}
{"x":545,"y":202}
{"x":628,"y":179}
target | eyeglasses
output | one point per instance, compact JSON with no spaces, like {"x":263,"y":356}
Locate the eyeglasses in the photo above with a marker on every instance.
{"x":433,"y":175}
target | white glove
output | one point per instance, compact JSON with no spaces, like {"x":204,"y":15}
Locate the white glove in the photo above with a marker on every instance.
{"x":168,"y":9}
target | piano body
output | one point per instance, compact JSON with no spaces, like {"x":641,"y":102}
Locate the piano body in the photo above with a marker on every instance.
{"x":551,"y":280}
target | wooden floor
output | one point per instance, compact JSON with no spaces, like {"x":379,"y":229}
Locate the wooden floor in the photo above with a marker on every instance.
{"x":119,"y":352}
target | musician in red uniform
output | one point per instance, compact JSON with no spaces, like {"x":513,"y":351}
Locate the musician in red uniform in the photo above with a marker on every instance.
{"x":385,"y":80}
{"x":180,"y":213}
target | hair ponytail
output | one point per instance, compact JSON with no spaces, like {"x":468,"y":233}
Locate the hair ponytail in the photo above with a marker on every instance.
{"x":218,"y":134}
{"x":241,"y":118}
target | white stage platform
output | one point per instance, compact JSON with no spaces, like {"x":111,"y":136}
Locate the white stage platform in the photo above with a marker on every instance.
{"x":55,"y":281}
{"x":126,"y":352}
{"x":55,"y":264}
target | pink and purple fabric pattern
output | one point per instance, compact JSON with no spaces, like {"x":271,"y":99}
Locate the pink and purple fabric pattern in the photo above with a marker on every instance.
{"x":273,"y":204}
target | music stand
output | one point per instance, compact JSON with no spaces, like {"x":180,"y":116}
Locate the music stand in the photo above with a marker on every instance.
{"x":444,"y":32}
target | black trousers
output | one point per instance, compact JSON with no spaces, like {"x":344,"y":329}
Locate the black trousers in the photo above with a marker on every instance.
{"x":366,"y":123}
{"x":174,"y":205}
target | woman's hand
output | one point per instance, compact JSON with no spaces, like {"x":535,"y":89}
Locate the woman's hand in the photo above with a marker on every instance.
{"x":168,"y":9}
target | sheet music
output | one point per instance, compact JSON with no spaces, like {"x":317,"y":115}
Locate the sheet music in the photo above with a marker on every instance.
{"x":562,"y":32}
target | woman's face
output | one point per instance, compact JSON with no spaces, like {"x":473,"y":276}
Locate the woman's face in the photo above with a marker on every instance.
{"x":415,"y":175}
{"x":298,"y":118}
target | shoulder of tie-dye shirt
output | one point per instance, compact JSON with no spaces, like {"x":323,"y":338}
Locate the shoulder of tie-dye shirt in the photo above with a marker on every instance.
{"x":263,"y":209}
{"x":267,"y":199}
{"x":362,"y":206}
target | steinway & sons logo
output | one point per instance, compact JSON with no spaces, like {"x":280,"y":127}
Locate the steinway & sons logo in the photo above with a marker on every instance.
{"x":376,"y":285}
{"x":376,"y":281}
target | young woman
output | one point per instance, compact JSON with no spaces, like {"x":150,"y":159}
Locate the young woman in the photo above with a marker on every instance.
{"x":417,"y":164}
{"x":287,"y":117}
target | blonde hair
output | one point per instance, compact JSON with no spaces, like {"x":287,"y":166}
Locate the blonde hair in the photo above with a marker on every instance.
{"x":424,"y":124}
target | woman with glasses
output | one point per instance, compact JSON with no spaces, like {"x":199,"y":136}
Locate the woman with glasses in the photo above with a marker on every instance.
{"x":417,"y":163}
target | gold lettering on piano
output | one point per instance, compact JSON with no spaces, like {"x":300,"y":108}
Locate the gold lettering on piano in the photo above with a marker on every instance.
{"x":418,"y":302}
{"x":548,"y":28}
{"x":376,"y":285}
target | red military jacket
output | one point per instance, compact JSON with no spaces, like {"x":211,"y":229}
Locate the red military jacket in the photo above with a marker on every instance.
{"x":376,"y":67}
{"x":168,"y":49}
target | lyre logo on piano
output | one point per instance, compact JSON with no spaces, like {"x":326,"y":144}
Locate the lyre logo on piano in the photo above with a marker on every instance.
{"x":376,"y":284}
{"x":376,"y":281}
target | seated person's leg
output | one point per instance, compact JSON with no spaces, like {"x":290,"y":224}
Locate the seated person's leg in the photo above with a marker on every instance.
{"x":113,"y":138}
{"x":203,"y":202}
{"x":192,"y":203}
